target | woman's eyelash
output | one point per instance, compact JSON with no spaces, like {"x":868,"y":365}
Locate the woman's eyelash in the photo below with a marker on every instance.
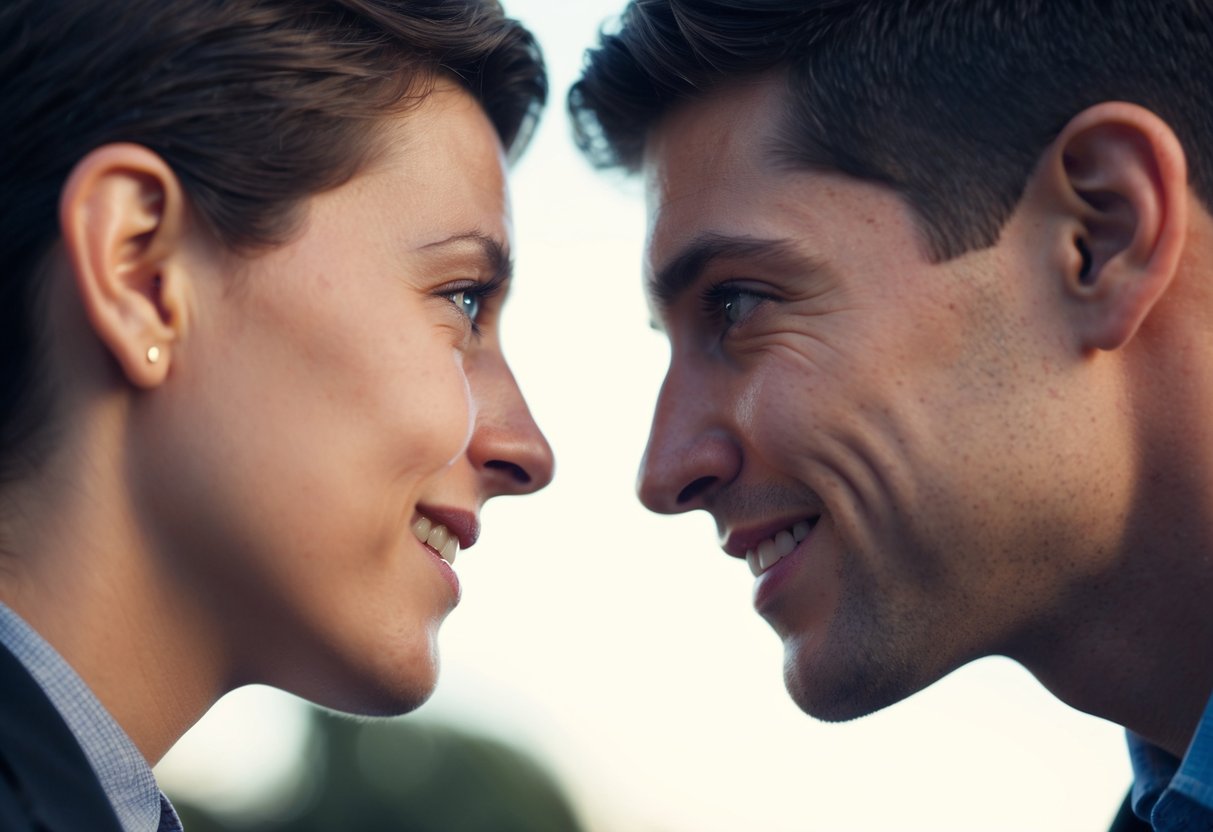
{"x":479,"y":293}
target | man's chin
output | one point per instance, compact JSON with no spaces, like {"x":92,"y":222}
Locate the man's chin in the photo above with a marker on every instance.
{"x":839,"y":688}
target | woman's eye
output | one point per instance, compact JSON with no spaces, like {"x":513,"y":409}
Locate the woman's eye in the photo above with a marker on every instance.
{"x":467,"y":301}
{"x":475,"y":298}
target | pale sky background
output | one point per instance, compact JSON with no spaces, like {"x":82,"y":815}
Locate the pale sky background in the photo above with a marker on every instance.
{"x":619,"y":647}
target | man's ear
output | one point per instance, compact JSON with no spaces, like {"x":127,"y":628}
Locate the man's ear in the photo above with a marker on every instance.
{"x":122,"y":217}
{"x":1118,"y":186}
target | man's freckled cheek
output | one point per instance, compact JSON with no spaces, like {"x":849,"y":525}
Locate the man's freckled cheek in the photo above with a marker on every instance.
{"x":774,"y":410}
{"x":749,"y":405}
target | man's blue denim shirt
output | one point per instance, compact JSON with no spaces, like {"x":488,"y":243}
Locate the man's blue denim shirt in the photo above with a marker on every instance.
{"x":1175,"y":796}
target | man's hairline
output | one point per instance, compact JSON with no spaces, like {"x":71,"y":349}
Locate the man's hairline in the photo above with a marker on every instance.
{"x":786,"y":155}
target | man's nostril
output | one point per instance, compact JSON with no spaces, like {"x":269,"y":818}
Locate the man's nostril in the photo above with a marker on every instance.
{"x":695,"y":489}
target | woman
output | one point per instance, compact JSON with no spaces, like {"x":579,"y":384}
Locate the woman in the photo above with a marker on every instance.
{"x":253,"y":397}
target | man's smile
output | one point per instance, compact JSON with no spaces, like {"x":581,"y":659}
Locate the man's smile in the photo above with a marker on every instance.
{"x":763,"y":547}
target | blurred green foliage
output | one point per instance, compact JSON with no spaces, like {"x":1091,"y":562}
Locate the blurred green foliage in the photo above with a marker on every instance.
{"x":409,"y":776}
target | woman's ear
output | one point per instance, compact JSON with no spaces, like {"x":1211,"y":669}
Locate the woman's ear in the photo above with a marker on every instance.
{"x":122,"y":217}
{"x":1118,"y":183}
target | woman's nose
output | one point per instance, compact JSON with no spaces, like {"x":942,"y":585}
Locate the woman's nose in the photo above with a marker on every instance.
{"x":507,"y":449}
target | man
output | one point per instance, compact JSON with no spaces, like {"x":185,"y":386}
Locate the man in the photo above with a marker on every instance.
{"x":935,"y":278}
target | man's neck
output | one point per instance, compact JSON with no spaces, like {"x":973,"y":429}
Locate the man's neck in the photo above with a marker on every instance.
{"x":1134,"y":646}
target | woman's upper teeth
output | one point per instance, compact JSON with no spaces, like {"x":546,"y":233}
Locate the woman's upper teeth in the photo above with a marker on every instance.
{"x":438,"y":538}
{"x":767,"y":553}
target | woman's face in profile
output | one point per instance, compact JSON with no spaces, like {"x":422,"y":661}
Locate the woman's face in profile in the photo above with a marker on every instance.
{"x":341,"y":394}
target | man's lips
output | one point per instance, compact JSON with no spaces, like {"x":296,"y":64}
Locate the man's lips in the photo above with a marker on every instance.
{"x":763,"y":546}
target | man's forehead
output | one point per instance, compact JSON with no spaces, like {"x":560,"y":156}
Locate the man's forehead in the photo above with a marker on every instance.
{"x":708,"y":165}
{"x":734,"y":123}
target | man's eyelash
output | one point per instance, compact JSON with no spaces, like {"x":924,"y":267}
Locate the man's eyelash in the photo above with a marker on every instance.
{"x":714,"y":300}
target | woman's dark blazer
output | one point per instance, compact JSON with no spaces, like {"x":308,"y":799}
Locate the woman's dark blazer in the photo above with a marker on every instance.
{"x":46,"y":783}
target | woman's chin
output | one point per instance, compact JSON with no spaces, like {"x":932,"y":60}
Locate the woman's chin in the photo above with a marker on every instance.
{"x":374,"y":688}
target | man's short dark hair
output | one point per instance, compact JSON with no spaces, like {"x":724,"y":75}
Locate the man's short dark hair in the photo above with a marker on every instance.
{"x":948,"y":102}
{"x":255,"y":104}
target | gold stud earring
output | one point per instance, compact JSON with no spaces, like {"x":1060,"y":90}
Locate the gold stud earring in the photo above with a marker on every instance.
{"x":153,"y":354}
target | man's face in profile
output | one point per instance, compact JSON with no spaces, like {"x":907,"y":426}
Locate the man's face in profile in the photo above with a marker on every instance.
{"x":866,"y":426}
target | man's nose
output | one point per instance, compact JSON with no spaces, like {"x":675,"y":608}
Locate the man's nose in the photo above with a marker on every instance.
{"x":508,"y":450}
{"x":691,"y":452}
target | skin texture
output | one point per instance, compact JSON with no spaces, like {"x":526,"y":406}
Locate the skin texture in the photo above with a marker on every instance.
{"x":981,"y":443}
{"x":239,"y":511}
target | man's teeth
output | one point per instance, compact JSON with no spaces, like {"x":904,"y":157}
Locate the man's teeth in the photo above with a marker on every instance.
{"x":767,"y":553}
{"x":438,"y":538}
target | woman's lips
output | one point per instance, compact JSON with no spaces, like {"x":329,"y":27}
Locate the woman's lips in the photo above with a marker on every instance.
{"x":446,"y":530}
{"x":438,"y":537}
{"x":443,"y":532}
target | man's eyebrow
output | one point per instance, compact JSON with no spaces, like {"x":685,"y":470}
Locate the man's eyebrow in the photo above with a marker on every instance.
{"x":684,"y":269}
{"x":496,"y":256}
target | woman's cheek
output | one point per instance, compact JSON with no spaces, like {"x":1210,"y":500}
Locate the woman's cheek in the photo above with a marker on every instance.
{"x":468,"y":420}
{"x":450,"y":416}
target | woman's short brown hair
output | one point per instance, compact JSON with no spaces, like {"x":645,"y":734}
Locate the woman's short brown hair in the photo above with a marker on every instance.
{"x":255,"y":104}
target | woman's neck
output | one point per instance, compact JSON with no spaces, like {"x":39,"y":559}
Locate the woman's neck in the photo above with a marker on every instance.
{"x":78,"y":568}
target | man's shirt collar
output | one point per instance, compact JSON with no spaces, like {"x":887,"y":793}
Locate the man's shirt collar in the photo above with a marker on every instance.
{"x":1175,"y":796}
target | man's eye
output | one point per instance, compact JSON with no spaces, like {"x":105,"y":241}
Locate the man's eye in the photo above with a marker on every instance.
{"x":737,"y":305}
{"x":467,"y":301}
{"x":730,"y":305}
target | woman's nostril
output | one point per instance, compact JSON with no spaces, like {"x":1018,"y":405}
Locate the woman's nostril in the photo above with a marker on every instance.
{"x":514,"y":471}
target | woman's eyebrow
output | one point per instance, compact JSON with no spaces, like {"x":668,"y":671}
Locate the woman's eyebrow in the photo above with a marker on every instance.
{"x":492,"y":251}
